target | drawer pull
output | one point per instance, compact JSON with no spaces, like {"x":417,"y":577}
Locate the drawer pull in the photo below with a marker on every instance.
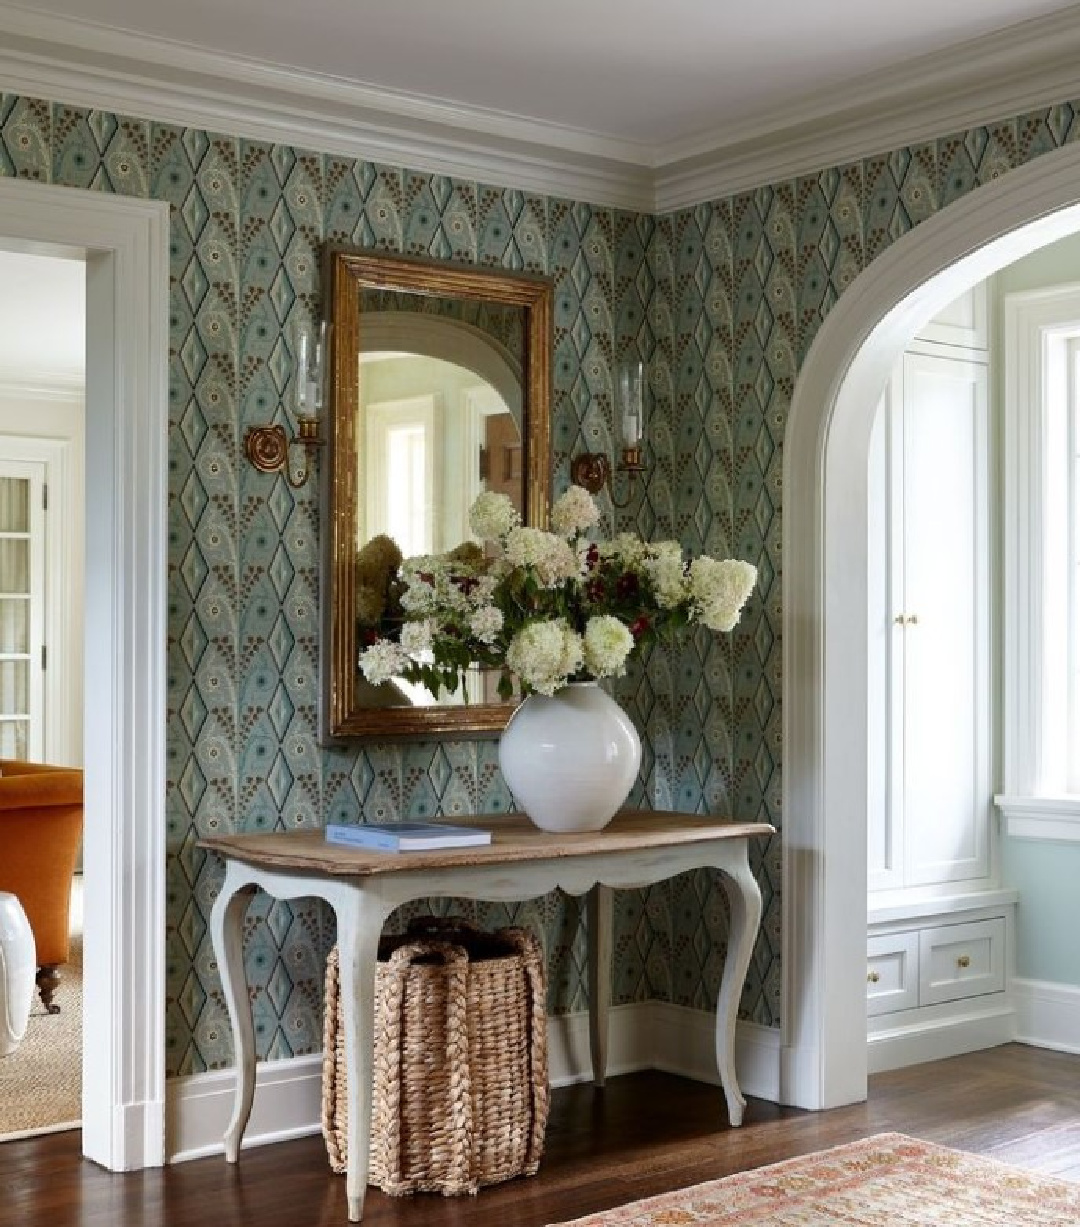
{"x":964,"y":961}
{"x":872,"y":977}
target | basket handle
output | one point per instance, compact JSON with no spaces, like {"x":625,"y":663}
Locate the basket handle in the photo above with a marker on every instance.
{"x":456,"y":961}
{"x":413,"y":952}
{"x":532,"y":957}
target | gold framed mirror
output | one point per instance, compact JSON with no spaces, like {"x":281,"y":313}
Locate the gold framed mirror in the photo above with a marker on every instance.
{"x":440,"y":387}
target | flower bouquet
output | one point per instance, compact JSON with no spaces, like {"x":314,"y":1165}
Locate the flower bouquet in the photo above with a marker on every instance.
{"x":547,"y":608}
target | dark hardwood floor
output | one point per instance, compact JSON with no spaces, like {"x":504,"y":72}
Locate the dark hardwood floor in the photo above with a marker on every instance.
{"x":643,"y":1134}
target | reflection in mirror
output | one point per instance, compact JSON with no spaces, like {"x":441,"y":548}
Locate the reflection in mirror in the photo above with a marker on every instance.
{"x":440,"y":392}
{"x":432,"y":435}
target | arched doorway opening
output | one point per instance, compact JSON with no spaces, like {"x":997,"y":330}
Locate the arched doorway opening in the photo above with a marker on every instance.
{"x":823,"y":1058}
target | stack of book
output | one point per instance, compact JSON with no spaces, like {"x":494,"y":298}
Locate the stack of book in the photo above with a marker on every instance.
{"x":405,"y":836}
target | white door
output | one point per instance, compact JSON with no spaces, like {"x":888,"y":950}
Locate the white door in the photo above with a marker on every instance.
{"x":929,"y":787}
{"x":945,"y":641}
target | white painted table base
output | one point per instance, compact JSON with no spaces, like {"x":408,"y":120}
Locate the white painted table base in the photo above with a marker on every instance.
{"x":364,"y":888}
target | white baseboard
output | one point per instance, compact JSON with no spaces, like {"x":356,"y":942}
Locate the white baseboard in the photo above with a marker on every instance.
{"x":1047,"y":1014}
{"x":934,"y":1034}
{"x":288,"y":1104}
{"x":651,"y":1035}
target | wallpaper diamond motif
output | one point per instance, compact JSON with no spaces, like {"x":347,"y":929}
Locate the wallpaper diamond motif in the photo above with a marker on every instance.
{"x":721,"y":301}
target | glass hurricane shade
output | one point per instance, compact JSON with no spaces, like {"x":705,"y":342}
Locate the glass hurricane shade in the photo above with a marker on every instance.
{"x":310,"y":368}
{"x":631,"y":404}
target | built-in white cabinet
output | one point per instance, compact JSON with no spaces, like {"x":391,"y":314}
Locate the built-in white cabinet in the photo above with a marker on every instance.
{"x":932,"y":945}
{"x":930,"y":622}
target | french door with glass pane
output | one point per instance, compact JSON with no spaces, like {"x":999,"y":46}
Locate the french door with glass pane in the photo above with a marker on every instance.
{"x":22,"y":608}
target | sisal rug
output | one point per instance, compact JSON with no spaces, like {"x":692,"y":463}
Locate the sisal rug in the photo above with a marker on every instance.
{"x":884,"y":1181}
{"x":41,"y":1081}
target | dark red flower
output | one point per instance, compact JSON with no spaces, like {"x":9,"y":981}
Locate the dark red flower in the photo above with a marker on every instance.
{"x":639,"y":626}
{"x":627,"y":586}
{"x":592,"y":556}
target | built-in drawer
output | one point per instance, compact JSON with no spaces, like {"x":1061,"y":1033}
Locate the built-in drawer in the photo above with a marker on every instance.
{"x":892,"y":972}
{"x":961,"y":960}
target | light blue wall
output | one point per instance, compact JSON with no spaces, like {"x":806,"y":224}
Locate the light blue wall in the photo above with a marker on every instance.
{"x":1048,"y":919}
{"x":1046,"y":873}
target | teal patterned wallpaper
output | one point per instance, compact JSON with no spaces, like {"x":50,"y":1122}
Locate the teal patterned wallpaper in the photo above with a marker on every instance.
{"x":722,"y":300}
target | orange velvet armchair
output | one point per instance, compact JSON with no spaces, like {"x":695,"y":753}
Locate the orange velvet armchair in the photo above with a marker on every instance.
{"x":41,"y":820}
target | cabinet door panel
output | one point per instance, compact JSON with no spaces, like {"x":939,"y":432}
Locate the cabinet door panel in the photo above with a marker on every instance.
{"x":892,"y":973}
{"x":945,"y":748}
{"x":961,"y":960}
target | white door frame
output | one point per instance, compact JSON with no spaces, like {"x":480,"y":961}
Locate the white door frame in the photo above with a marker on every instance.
{"x":825,"y":601}
{"x":125,"y":245}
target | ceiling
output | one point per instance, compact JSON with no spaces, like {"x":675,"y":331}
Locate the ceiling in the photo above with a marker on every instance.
{"x":641,"y":84}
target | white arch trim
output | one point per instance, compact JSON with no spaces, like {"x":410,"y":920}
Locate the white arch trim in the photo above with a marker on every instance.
{"x":125,"y":245}
{"x":823,"y":1039}
{"x":450,"y":341}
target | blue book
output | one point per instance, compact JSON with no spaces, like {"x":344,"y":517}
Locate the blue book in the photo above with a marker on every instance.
{"x":405,"y":836}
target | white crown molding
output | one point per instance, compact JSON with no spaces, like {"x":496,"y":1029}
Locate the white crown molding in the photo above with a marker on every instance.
{"x":87,"y":65}
{"x":996,"y":76}
{"x":1000,"y":75}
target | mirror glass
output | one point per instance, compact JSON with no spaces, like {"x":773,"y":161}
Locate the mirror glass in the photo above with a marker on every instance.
{"x":440,"y":387}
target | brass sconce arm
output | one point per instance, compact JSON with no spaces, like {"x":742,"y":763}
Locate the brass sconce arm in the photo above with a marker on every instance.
{"x":267,"y":447}
{"x":592,"y":470}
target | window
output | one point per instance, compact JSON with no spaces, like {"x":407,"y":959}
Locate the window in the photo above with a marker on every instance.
{"x":1041,"y":528}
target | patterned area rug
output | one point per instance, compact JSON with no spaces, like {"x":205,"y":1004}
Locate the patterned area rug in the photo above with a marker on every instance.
{"x":884,"y":1181}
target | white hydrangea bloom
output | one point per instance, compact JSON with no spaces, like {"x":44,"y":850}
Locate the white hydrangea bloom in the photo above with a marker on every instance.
{"x":627,"y":547}
{"x":484,"y":590}
{"x":574,"y":513}
{"x":551,"y":557}
{"x":421,"y":596}
{"x":492,"y":516}
{"x":667,"y":572}
{"x":719,"y":589}
{"x":382,"y":661}
{"x":607,"y":646}
{"x":486,"y":623}
{"x":545,"y":654}
{"x":416,"y":637}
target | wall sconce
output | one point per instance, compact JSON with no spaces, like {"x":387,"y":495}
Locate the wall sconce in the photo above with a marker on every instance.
{"x":267,"y":447}
{"x":592,"y":470}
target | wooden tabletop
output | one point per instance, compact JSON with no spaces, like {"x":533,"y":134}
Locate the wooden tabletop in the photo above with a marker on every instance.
{"x":513,"y":838}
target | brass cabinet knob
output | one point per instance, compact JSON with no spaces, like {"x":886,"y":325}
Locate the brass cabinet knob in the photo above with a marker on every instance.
{"x":872,"y":977}
{"x":964,"y":961}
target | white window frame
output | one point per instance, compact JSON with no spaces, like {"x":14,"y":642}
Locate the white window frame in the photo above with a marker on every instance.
{"x":1036,"y":799}
{"x":421,"y":412}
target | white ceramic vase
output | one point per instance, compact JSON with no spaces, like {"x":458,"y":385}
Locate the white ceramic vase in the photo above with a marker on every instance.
{"x":570,"y":760}
{"x":18,"y":967}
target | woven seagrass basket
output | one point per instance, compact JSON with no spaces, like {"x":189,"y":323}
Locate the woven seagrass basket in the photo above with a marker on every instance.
{"x":460,"y":1095}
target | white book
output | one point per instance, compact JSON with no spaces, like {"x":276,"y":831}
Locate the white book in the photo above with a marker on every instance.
{"x":405,"y":836}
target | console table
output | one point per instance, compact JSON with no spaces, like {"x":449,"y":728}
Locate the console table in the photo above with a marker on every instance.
{"x":363,"y":887}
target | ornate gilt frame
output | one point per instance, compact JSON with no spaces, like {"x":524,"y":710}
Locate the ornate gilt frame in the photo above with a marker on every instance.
{"x":347,"y":272}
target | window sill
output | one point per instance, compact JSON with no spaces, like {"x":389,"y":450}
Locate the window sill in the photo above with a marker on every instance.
{"x":1055,"y":818}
